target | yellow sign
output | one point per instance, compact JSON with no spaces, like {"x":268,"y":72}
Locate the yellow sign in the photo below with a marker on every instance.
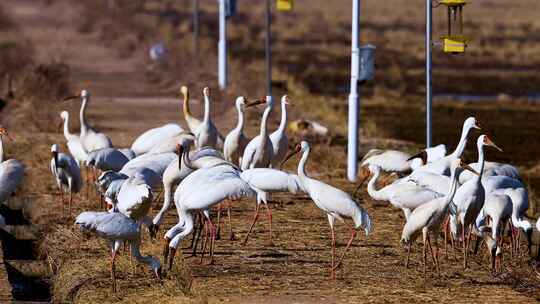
{"x":284,"y":5}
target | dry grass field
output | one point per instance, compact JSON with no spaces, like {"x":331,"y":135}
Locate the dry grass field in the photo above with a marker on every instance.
{"x":106,"y":53}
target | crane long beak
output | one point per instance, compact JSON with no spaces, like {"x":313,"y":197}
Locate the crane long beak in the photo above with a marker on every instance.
{"x":422,"y":155}
{"x":492,"y":144}
{"x":72,"y":97}
{"x":180,"y":152}
{"x":477,"y":126}
{"x":255,"y":103}
{"x":293,"y":153}
{"x":467,"y":167}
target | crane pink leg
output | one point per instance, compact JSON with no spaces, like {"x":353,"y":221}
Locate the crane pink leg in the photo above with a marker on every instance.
{"x":353,"y":234}
{"x":433,"y":255}
{"x":333,"y":272}
{"x":255,"y":218}
{"x":212,"y":242}
{"x":408,"y":255}
{"x":70,"y":201}
{"x":113,"y":270}
{"x":269,"y":213}
{"x":218,"y":236}
{"x":204,"y":241}
{"x":231,"y":233}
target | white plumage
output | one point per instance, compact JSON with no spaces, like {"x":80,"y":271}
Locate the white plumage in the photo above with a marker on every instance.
{"x":279,"y":139}
{"x":206,"y":133}
{"x":66,"y":172}
{"x":442,"y":166}
{"x":73,"y":141}
{"x":154,"y":137}
{"x":90,"y":139}
{"x":264,"y":181}
{"x":236,"y":140}
{"x":259,"y":151}
{"x":405,"y":195}
{"x":427,"y":218}
{"x":107,"y":159}
{"x":200,"y":191}
{"x":117,"y":228}
{"x":332,"y":201}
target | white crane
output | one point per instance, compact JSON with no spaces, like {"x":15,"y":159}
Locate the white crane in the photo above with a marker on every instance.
{"x":259,"y":151}
{"x":498,"y":208}
{"x":398,"y":161}
{"x":11,"y":171}
{"x":67,"y":174}
{"x":265,"y":181}
{"x":194,"y":123}
{"x":117,"y":229}
{"x":206,"y":134}
{"x":178,"y":169}
{"x":200,"y":191}
{"x":154,"y":137}
{"x":492,"y":169}
{"x":90,"y":138}
{"x":236,"y":141}
{"x":428,"y":217}
{"x":107,"y":159}
{"x":135,"y":198}
{"x":469,"y":198}
{"x":280,"y":141}
{"x":73,"y":141}
{"x":520,"y":204}
{"x":404,"y":195}
{"x":442,"y":166}
{"x":332,"y":201}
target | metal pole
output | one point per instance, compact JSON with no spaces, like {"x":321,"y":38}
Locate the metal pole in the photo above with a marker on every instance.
{"x":428,"y":72}
{"x":268,"y":48}
{"x":222,"y":47}
{"x":354,"y":96}
{"x":195,"y":27}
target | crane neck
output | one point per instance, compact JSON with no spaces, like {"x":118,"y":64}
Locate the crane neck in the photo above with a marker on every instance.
{"x":1,"y":149}
{"x":453,"y":187}
{"x":158,"y":219}
{"x":481,"y":161}
{"x":302,"y":164}
{"x":185,"y":105}
{"x":82,"y":115}
{"x":462,"y":142}
{"x":146,"y":259}
{"x":371,"y":188}
{"x":240,"y":123}
{"x":283,"y":122}
{"x":207,"y":108}
{"x":67,"y":134}
{"x":264,"y":123}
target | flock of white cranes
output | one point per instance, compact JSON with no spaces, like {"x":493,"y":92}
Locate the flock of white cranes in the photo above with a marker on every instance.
{"x":206,"y":169}
{"x":480,"y":200}
{"x":435,"y":191}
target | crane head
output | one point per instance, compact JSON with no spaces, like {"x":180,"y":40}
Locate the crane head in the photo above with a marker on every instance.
{"x":486,"y":141}
{"x":256,"y":102}
{"x":184,"y":91}
{"x":3,"y":132}
{"x":296,"y":150}
{"x":206,"y":91}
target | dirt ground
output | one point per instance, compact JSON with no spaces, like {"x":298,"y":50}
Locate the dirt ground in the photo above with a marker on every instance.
{"x":296,"y":269}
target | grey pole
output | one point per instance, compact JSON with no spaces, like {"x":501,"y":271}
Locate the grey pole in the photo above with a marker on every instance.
{"x":222,"y":47}
{"x":268,"y":48}
{"x":354,"y":96}
{"x":195,"y":27}
{"x":428,"y":72}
